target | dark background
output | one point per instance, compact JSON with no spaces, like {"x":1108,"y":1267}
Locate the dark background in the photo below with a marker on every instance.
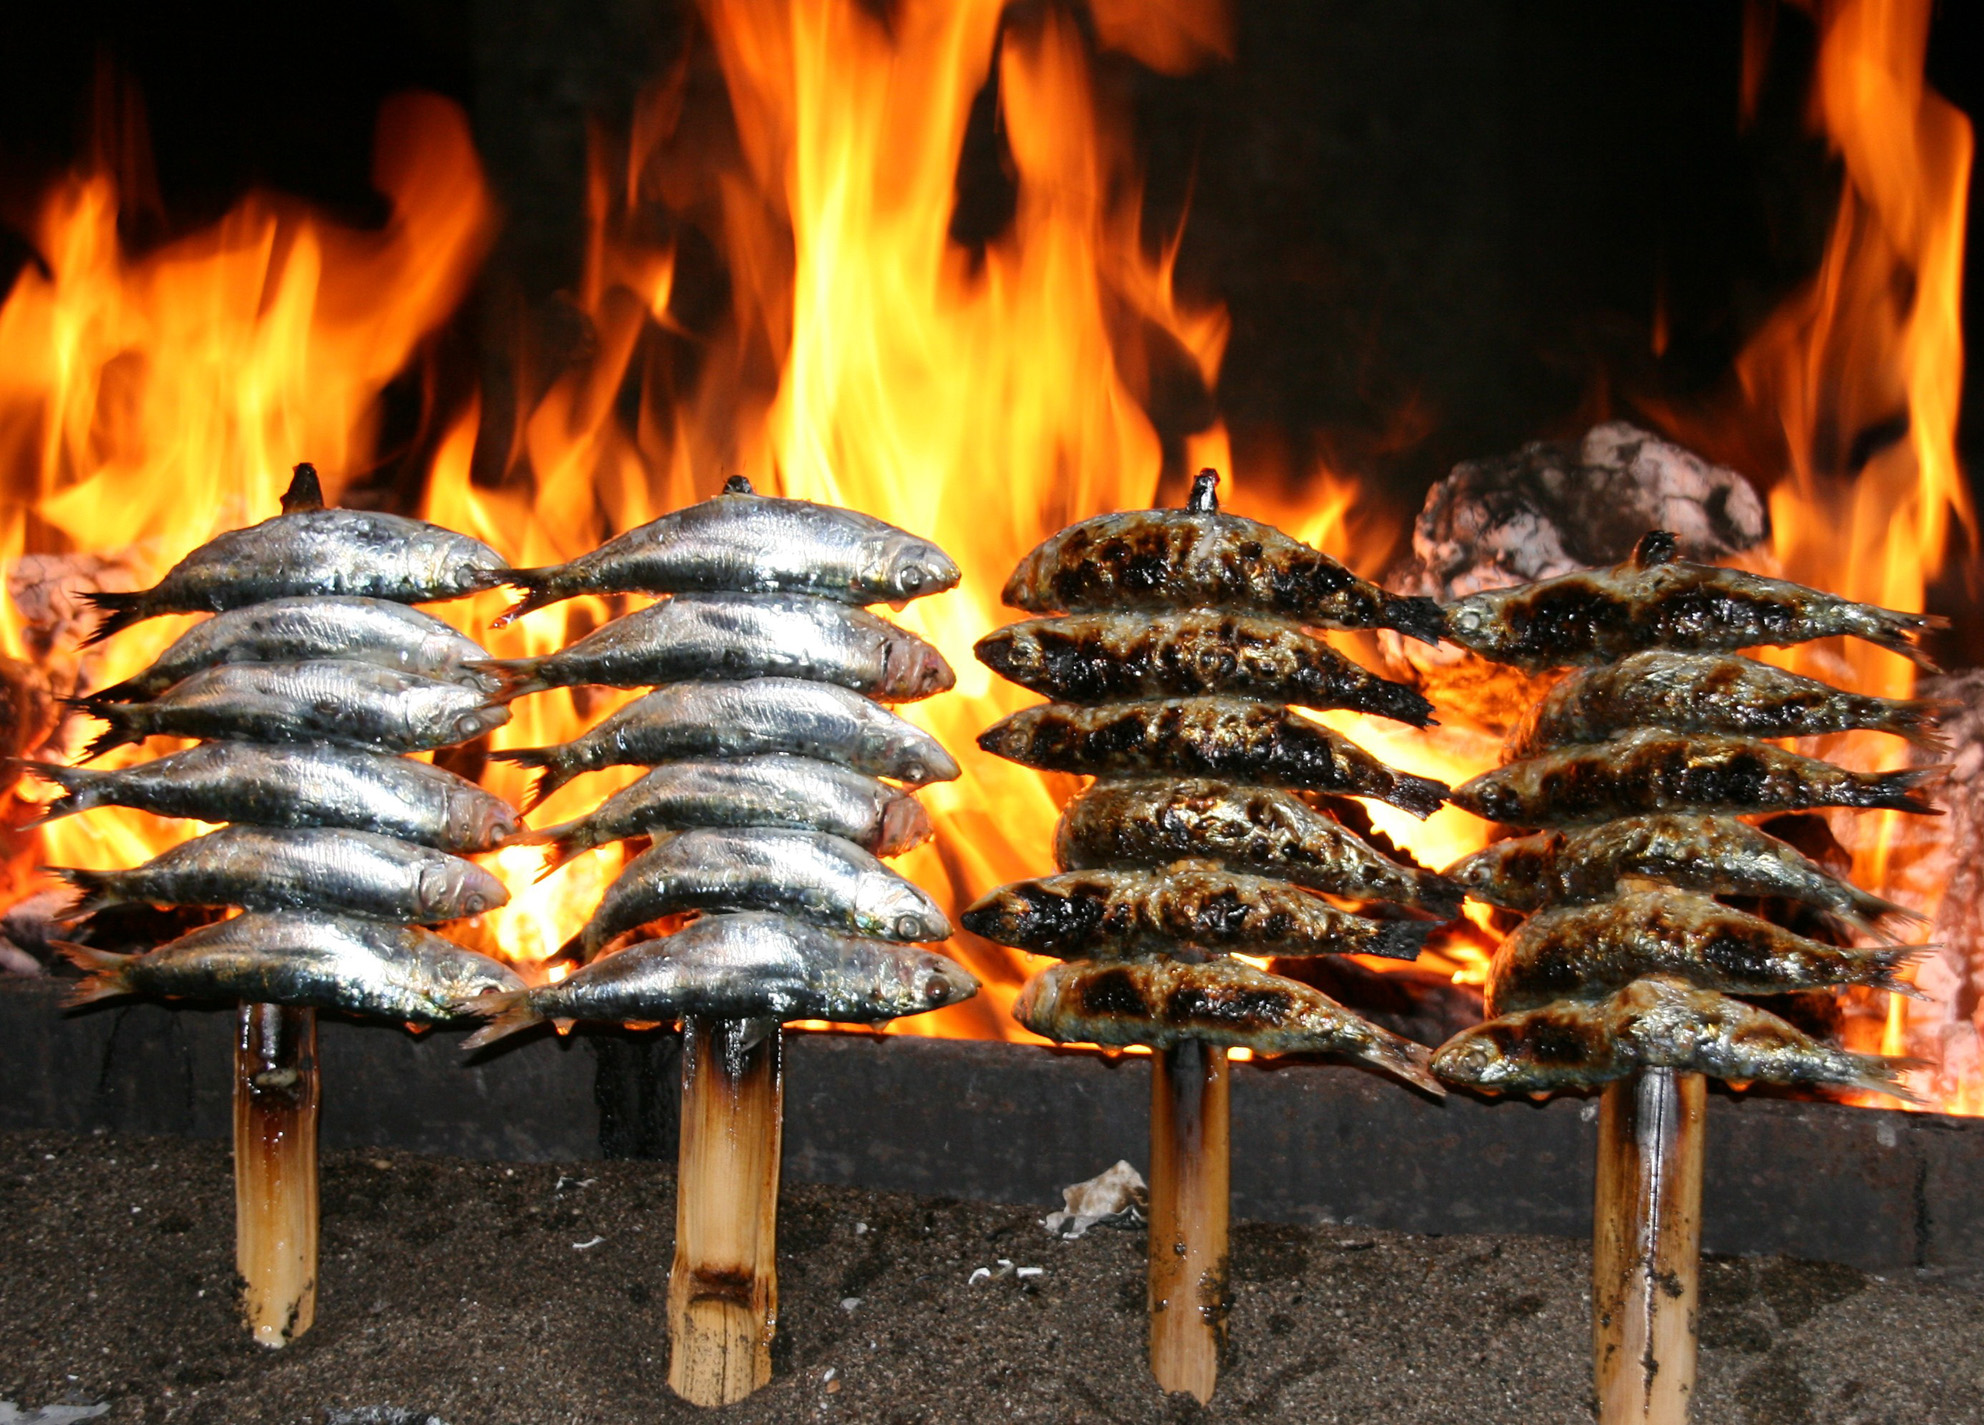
{"x":1441,"y":229}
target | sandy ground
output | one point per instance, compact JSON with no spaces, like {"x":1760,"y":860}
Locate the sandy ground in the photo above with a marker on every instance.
{"x":456,"y":1291}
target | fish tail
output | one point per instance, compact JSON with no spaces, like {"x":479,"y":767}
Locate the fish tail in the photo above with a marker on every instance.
{"x":1414,"y":617}
{"x":1901,"y":791}
{"x":1897,"y":631}
{"x":1406,"y":1060}
{"x":1916,"y":719}
{"x":539,"y":587}
{"x":105,"y":975}
{"x":131,"y":690}
{"x":1437,"y":894}
{"x":1422,"y":796}
{"x":515,"y":677}
{"x":1877,"y":1074}
{"x":561,"y":843}
{"x":96,"y":887}
{"x":1400,"y":939}
{"x":120,"y":730}
{"x":552,"y":770}
{"x":1401,"y":704}
{"x":74,"y":781}
{"x":119,"y":611}
{"x":1890,"y":961}
{"x":507,"y":1011}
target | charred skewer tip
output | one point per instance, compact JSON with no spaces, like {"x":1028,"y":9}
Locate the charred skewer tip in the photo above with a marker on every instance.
{"x":1204,"y":499}
{"x":305,"y":491}
{"x":738,"y":485}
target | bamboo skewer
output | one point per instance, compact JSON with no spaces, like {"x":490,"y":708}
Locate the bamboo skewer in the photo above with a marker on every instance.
{"x":723,"y":1286}
{"x":1189,"y":1202}
{"x":275,"y":1169}
{"x":1646,"y":1246}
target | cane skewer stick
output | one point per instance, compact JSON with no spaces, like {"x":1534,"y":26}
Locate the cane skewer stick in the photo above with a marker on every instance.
{"x":275,"y":1169}
{"x":1189,"y":1202}
{"x":723,"y":1287}
{"x":1646,"y":1246}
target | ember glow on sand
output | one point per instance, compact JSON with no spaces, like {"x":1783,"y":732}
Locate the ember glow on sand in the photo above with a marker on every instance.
{"x":985,"y":400}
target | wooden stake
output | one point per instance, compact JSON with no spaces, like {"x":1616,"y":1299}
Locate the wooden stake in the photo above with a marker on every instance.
{"x":1646,"y":1247}
{"x":275,"y":1169}
{"x":723,"y":1288}
{"x":1189,"y":1200}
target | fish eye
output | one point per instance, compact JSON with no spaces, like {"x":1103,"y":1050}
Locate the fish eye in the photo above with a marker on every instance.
{"x":911,"y":578}
{"x":474,"y":903}
{"x":909,"y":927}
{"x":936,"y":987}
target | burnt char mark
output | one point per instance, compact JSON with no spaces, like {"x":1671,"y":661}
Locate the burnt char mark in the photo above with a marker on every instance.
{"x":1741,"y":954}
{"x":1241,"y":1009}
{"x":1563,"y":622}
{"x":1563,"y":1038}
{"x":1027,"y":914}
{"x":1698,"y":614}
{"x":1222,"y":915}
{"x":1115,"y":992}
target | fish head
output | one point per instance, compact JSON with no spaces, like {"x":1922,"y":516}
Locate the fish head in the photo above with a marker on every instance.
{"x":474,"y":723}
{"x":451,"y":888}
{"x":895,"y":909}
{"x":918,"y":981}
{"x":905,"y":823}
{"x":453,"y":974}
{"x":903,"y":567}
{"x":467,"y":565}
{"x":908,"y":752}
{"x":915,"y":669}
{"x":1472,"y":1059}
{"x":1003,"y":651}
{"x":478,"y":820}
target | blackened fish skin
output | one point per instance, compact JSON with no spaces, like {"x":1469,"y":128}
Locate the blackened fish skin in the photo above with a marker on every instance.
{"x":723,"y":636}
{"x":744,"y":542}
{"x":307,"y":784}
{"x":1718,"y":693}
{"x":1096,"y":914}
{"x":1591,"y":951}
{"x":261,"y":868}
{"x":1222,"y":1002}
{"x":745,"y":966}
{"x":326,"y":700}
{"x":1152,"y":823}
{"x":295,"y":630}
{"x":1658,"y":600}
{"x":1205,"y":737}
{"x":1717,"y":855}
{"x":799,"y":793}
{"x":1172,"y":559}
{"x":747,"y":718}
{"x":318,"y":961}
{"x":357,"y":553}
{"x":1653,"y":770}
{"x":801,"y":873}
{"x":1110,"y":657}
{"x":1654,"y":1023}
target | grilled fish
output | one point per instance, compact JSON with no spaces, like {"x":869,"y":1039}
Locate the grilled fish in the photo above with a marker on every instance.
{"x":1713,"y":693}
{"x":297,"y":630}
{"x":797,"y":793}
{"x":1656,"y":599}
{"x":1197,"y":557}
{"x":1112,"y":914}
{"x":1099,"y":658}
{"x":1223,"y":1002}
{"x":750,"y":718}
{"x":361,"y":553}
{"x":353,"y":872}
{"x":709,"y":636}
{"x":326,"y":700}
{"x":749,"y":966}
{"x":745,"y":542}
{"x":1205,"y":737}
{"x":803,"y":873}
{"x":1653,"y":770}
{"x":321,"y":961}
{"x":1589,"y":951}
{"x":1717,"y":855}
{"x":1655,"y":1024}
{"x":1253,"y":829}
{"x":297,"y":785}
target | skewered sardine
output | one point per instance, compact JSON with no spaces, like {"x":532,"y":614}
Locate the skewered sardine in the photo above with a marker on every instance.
{"x":354,"y":872}
{"x":1718,"y":855}
{"x":1653,"y":770}
{"x":1205,"y":737}
{"x":798,"y":793}
{"x":712,"y":636}
{"x":1658,"y":600}
{"x":1097,"y":914}
{"x":748,"y":966}
{"x":1712,"y":693}
{"x":361,"y":553}
{"x":1222,"y":1002}
{"x":1255,"y":829}
{"x":360,"y":966}
{"x":296,"y":630}
{"x":1589,"y":951}
{"x":1657,"y":1024}
{"x":297,"y":785}
{"x":330,"y":700}
{"x":753,"y":717}
{"x":1096,"y":658}
{"x":802,"y":873}
{"x":753,"y":543}
{"x":1197,"y":557}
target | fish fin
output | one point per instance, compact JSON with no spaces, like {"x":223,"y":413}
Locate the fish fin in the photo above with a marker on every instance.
{"x":415,"y":1026}
{"x":104,"y":974}
{"x":95,"y":886}
{"x":118,"y":732}
{"x":552,"y":771}
{"x":1422,"y":796}
{"x":1916,"y":719}
{"x":1901,"y":791}
{"x":506,"y":1010}
{"x":1656,"y":547}
{"x":539,"y":592}
{"x":119,"y":609}
{"x":1401,"y":939}
{"x":516,"y":677}
{"x":74,"y":781}
{"x":1406,"y":1060}
{"x":305,"y":491}
{"x":1414,"y":617}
